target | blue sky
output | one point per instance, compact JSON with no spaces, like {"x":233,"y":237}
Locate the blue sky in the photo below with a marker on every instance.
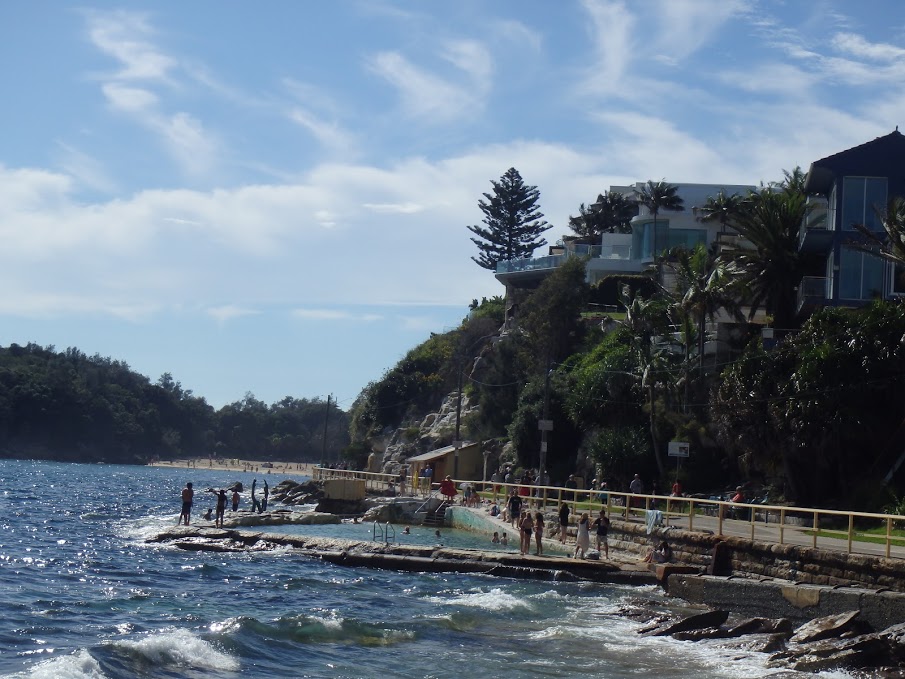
{"x":272,"y":197}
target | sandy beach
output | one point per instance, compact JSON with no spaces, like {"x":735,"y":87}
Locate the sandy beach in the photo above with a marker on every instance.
{"x":237,"y":465}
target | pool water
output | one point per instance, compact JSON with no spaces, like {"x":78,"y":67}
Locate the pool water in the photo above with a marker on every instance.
{"x":419,"y":535}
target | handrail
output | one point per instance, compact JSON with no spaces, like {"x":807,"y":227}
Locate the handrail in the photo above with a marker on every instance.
{"x":779,"y":524}
{"x":384,"y":532}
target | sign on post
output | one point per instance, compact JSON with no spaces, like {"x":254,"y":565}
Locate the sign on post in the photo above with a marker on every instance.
{"x":679,"y":449}
{"x":545,"y":425}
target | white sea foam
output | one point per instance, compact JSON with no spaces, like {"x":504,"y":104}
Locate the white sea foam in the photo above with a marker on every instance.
{"x":79,"y":665}
{"x":493,"y":600}
{"x":179,"y":648}
{"x":139,"y":530}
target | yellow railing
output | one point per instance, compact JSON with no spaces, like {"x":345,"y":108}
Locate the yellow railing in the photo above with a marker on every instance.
{"x":834,"y":530}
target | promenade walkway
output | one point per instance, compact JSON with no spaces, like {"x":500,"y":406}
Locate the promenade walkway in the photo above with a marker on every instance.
{"x":826,"y":529}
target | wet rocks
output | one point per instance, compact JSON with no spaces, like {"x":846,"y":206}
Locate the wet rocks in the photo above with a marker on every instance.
{"x":294,"y":493}
{"x":836,"y":642}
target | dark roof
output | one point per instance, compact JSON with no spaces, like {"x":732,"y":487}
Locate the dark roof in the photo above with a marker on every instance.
{"x":882,"y":157}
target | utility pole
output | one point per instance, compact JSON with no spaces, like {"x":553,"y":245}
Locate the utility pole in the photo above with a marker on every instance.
{"x":324,"y":443}
{"x":457,"y":442}
{"x":545,"y":425}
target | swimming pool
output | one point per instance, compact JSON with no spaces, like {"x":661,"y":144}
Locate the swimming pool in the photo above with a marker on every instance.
{"x":419,"y":535}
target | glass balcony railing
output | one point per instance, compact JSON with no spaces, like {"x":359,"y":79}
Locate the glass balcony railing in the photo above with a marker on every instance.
{"x":620,"y":252}
{"x":533,"y":264}
{"x":812,"y":290}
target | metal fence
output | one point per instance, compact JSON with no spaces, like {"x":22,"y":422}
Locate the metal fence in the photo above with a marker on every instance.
{"x":835,"y":530}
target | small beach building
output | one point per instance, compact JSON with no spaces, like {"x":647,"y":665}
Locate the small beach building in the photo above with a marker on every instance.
{"x":443,"y":461}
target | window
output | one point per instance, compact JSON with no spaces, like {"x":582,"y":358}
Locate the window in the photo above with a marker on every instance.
{"x":830,"y":223}
{"x":860,"y":275}
{"x":861,"y":198}
{"x":647,"y":243}
{"x":687,"y":238}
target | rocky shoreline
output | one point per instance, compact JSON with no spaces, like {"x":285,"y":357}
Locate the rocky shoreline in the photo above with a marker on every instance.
{"x":841,"y":641}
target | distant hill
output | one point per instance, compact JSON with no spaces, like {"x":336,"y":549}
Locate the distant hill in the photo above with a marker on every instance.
{"x":71,"y":407}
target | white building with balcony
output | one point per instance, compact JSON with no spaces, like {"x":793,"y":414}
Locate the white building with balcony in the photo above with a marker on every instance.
{"x":628,"y":253}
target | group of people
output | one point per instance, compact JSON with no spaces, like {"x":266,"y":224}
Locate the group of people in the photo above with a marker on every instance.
{"x":531,"y":525}
{"x":217,"y":513}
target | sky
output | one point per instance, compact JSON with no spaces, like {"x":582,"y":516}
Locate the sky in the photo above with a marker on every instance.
{"x":273,"y":197}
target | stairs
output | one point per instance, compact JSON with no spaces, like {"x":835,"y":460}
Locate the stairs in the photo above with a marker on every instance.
{"x":437,"y":517}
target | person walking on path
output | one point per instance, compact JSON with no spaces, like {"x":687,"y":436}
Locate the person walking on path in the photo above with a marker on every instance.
{"x":583,"y":540}
{"x":539,"y":532}
{"x":563,"y":521}
{"x":602,"y":524}
{"x":188,"y":495}
{"x":514,"y":505}
{"x":637,"y":488}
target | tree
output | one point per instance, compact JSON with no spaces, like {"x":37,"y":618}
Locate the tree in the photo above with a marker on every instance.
{"x":612,"y":213}
{"x":645,"y":320}
{"x":513,"y":221}
{"x":704,"y":287}
{"x":551,"y":317}
{"x":722,"y":208}
{"x":891,"y":245}
{"x":656,"y":196}
{"x":771,"y":270}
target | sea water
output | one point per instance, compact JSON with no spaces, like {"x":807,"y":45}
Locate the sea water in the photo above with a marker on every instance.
{"x":84,"y":596}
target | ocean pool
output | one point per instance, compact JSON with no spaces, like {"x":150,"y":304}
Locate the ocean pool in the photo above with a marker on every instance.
{"x":419,"y":535}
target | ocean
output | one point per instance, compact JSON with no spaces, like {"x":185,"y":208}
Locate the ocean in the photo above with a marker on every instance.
{"x":83,"y":596}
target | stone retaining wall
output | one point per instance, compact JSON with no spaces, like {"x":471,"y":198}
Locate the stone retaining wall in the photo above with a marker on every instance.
{"x":775,"y":599}
{"x":726,"y":555}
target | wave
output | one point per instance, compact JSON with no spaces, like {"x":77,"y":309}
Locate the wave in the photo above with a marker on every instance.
{"x":79,"y":665}
{"x":171,"y":650}
{"x":328,"y":628}
{"x":495,"y":599}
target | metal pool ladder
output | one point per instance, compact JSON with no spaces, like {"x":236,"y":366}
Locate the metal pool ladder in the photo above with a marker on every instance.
{"x":383,"y":533}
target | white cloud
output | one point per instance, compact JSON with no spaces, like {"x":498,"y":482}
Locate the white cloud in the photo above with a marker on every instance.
{"x":684,"y":26}
{"x":473,"y":59}
{"x":129,"y":99}
{"x":857,"y":46}
{"x":334,"y":315}
{"x":122,"y":35}
{"x":774,"y":78}
{"x":519,"y":34}
{"x":228,"y":312}
{"x":613,"y":28}
{"x":87,"y":171}
{"x":330,"y":135}
{"x":397,"y":208}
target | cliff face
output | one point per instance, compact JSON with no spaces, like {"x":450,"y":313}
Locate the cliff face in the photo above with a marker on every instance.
{"x":435,"y":431}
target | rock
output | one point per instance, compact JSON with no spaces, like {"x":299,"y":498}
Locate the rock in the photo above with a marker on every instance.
{"x":758,"y":643}
{"x":781,"y":626}
{"x":692,"y":622}
{"x":824,"y":628}
{"x":698,"y":634}
{"x":866,"y":650}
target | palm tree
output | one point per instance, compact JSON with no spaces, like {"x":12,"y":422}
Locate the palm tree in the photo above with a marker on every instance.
{"x":656,"y":196}
{"x":611,"y":213}
{"x":771,"y":270}
{"x":705,"y":286}
{"x":722,"y":208}
{"x":645,"y":319}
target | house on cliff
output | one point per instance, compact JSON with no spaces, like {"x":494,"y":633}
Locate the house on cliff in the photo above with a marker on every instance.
{"x":850,"y":187}
{"x":627,"y":253}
